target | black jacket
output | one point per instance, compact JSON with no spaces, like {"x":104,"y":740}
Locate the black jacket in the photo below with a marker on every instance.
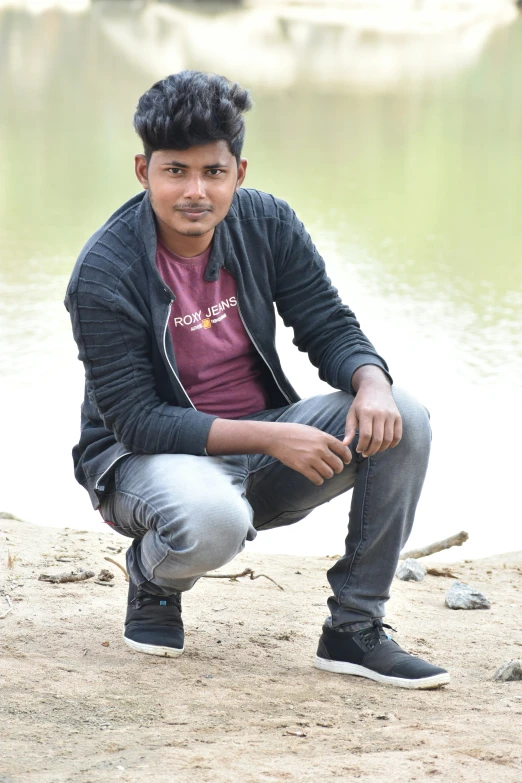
{"x":119,"y":307}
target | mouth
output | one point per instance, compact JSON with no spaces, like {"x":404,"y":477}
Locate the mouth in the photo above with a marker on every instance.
{"x":194,"y":213}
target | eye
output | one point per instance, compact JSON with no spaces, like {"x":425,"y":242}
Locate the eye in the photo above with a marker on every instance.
{"x":215,"y":172}
{"x":174,"y":170}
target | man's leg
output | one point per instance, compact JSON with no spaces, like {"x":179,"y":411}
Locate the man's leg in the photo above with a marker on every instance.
{"x":187,"y":515}
{"x":386,"y":489}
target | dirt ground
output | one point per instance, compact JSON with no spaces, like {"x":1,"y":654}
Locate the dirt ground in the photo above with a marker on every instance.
{"x":244,"y":702}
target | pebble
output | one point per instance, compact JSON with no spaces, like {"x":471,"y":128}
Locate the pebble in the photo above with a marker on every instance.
{"x":509,"y":671}
{"x":105,"y":575}
{"x":462,"y":596}
{"x":411,"y":571}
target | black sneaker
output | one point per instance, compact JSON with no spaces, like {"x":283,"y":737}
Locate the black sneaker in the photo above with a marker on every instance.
{"x":153,"y":624}
{"x":371,"y":653}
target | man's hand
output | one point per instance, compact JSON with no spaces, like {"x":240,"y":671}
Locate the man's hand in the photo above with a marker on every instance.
{"x":315,"y":454}
{"x":373,"y":412}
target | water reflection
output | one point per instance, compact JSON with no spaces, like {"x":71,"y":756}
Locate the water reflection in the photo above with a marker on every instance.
{"x":332,"y":48}
{"x":410,"y":190}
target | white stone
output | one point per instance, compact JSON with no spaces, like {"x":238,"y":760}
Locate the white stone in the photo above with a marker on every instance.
{"x":461,"y":596}
{"x":509,"y":671}
{"x":411,"y":571}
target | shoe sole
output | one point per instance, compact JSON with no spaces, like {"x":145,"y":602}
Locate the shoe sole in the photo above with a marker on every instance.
{"x":153,"y":649}
{"x":342,"y":667}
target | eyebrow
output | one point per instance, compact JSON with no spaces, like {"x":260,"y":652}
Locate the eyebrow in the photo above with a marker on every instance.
{"x":179,"y":165}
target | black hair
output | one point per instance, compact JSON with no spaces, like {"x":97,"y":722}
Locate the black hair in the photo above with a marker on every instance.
{"x":190,"y":108}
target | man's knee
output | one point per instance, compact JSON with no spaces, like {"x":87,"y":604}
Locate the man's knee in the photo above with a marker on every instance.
{"x":416,"y":429}
{"x":211,"y":534}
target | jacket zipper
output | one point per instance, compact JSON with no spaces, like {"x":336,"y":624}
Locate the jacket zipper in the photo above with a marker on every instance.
{"x":167,"y":356}
{"x":97,"y":487}
{"x":260,"y":352}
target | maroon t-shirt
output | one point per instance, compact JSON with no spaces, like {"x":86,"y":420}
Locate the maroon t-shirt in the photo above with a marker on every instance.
{"x":218,"y":365}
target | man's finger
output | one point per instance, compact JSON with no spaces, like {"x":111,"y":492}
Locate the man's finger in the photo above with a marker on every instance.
{"x":340,"y":448}
{"x":333,"y":461}
{"x":397,"y":432}
{"x":314,"y":476}
{"x":365,"y":435}
{"x":351,"y":426}
{"x":324,"y":469}
{"x":377,"y":437}
{"x":389,"y":430}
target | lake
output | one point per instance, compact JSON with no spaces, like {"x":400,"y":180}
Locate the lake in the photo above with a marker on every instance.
{"x":401,"y":154}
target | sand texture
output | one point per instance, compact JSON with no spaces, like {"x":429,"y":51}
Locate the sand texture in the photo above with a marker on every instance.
{"x":244,"y":702}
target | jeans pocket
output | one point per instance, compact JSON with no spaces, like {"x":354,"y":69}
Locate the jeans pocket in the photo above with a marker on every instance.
{"x":108,"y":513}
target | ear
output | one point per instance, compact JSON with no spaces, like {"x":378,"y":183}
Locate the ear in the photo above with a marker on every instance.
{"x":241,"y":172}
{"x":140,"y":169}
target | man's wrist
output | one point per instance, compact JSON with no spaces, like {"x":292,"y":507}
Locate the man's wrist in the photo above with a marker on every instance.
{"x":229,"y":436}
{"x":370,"y":375}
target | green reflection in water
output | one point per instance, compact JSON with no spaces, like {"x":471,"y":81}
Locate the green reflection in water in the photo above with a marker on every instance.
{"x":427,"y":180}
{"x":414,"y":191}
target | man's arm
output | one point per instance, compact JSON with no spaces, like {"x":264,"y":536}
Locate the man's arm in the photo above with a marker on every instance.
{"x":315,"y":454}
{"x":331,"y":335}
{"x":114,"y":344}
{"x":324,"y":327}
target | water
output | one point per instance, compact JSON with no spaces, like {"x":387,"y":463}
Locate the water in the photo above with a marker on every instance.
{"x":402,"y":159}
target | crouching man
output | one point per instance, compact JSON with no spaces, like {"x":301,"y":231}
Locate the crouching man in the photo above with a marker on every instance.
{"x":192,"y":438}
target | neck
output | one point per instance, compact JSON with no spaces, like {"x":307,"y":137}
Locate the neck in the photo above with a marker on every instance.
{"x":185,"y":246}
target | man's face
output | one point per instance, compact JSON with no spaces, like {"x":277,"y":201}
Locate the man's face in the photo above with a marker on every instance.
{"x":190,"y":190}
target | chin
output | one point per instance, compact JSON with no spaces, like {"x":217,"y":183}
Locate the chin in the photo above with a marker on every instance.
{"x":195,"y":232}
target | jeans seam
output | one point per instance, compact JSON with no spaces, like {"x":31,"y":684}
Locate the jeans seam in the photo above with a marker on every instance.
{"x":261,"y":467}
{"x":283,"y":513}
{"x":363,"y":522}
{"x":147,"y":503}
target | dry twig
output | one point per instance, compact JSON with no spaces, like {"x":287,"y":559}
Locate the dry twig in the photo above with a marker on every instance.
{"x":246,"y":572}
{"x":7,"y":515}
{"x":234,"y":577}
{"x":456,"y":540}
{"x":122,"y":568}
{"x":66,"y":576}
{"x":10,"y":607}
{"x":441,"y":572}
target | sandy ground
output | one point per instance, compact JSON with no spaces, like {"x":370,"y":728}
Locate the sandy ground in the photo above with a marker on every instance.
{"x":244,"y":702}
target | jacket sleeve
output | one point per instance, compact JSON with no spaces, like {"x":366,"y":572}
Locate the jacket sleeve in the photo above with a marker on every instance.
{"x":307,"y":301}
{"x":114,"y":344}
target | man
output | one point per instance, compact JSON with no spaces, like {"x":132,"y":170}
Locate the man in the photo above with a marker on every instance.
{"x":192,"y":437}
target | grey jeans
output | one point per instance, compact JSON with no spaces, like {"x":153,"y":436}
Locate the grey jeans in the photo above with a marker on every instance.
{"x":189,"y":515}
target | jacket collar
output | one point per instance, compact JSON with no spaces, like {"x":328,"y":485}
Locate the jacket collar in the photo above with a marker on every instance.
{"x":220,"y":241}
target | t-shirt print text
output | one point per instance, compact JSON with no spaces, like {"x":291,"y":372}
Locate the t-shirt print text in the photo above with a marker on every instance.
{"x":213,"y":315}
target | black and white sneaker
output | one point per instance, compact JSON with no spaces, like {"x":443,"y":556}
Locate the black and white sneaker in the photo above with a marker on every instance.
{"x":371,"y":653}
{"x":153,"y":624}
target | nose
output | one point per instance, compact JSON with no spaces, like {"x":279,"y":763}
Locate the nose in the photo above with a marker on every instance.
{"x":195,"y":188}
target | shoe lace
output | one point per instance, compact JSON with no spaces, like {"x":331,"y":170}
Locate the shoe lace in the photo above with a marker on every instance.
{"x":375,"y":633}
{"x":144,"y":599}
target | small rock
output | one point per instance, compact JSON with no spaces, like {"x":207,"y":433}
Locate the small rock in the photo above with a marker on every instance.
{"x":461,"y":596}
{"x":105,"y":575}
{"x":509,"y":671}
{"x":411,"y":571}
